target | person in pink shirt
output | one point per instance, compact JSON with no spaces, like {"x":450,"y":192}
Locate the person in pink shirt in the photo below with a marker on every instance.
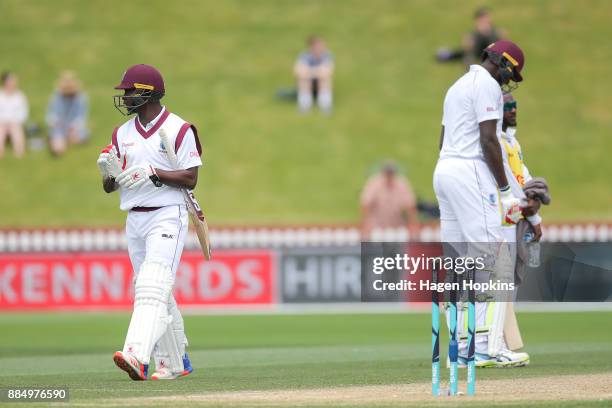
{"x":387,"y":201}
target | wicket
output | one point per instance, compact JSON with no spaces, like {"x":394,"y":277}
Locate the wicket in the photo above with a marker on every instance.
{"x":452,"y":344}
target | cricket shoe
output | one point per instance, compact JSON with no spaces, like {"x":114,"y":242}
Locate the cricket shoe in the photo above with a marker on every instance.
{"x":510,"y":359}
{"x":128,"y":363}
{"x":484,"y":360}
{"x":164,"y":373}
{"x":480,"y":360}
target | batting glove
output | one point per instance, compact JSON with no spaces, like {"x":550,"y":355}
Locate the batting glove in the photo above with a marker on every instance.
{"x":137,"y":176}
{"x":511,"y":208}
{"x":108,"y":162}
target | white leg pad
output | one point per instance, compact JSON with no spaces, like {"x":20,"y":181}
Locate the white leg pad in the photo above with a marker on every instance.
{"x":503,"y":271}
{"x":167,"y":353}
{"x":496,"y":329}
{"x":177,"y":325}
{"x":150,"y":318}
{"x":170,"y":349}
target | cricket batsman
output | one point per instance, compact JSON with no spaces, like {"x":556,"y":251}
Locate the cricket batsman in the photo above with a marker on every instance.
{"x":136,"y":163}
{"x":472,"y":188}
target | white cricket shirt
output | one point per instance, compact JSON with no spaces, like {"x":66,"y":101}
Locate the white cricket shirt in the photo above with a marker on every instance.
{"x":475,"y":97}
{"x":141,"y":145}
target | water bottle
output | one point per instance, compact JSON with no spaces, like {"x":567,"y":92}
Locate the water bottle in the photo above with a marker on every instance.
{"x":533,"y":250}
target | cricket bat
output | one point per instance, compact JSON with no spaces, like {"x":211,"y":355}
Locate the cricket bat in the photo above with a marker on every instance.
{"x":195,"y":211}
{"x":512,"y":334}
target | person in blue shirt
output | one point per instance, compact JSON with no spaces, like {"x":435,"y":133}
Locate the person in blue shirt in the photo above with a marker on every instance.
{"x":314,"y":69}
{"x":67,"y":114}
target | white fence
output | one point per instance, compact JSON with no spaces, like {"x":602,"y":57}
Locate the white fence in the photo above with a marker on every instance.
{"x":104,"y":239}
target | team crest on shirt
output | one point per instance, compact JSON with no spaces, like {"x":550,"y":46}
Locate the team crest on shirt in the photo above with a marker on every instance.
{"x":492,"y":198}
{"x":162,"y":148}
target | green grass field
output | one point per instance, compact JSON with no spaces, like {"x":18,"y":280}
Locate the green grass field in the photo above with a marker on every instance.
{"x":291,"y":353}
{"x":223,"y":62}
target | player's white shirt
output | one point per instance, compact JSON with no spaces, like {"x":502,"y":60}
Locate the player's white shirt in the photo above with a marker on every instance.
{"x":475,"y":97}
{"x":141,"y":144}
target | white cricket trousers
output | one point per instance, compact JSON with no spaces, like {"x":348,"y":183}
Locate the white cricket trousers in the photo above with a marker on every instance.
{"x":157,"y":235}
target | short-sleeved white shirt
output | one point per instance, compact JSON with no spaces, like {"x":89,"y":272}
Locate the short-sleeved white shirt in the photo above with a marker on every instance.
{"x":13,"y":107}
{"x":476,"y":97}
{"x":141,"y":145}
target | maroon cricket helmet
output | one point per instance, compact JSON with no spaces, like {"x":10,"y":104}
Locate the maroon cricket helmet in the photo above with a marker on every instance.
{"x":511,"y":52}
{"x":142,"y":76}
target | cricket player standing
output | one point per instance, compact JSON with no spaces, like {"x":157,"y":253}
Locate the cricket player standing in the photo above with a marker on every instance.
{"x":518,"y":174}
{"x":136,"y":163}
{"x":471,"y":186}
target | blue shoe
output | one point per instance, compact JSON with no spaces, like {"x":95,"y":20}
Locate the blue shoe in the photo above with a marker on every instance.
{"x":186,"y":365}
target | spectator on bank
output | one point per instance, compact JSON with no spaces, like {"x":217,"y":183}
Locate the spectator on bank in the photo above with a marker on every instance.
{"x":314,"y":69}
{"x":67,"y":114}
{"x":484,"y":34}
{"x":13,"y":114}
{"x":388,"y":201}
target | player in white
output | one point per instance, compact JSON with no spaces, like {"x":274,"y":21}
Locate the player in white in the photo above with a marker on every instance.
{"x":136,"y":164}
{"x":471,"y":186}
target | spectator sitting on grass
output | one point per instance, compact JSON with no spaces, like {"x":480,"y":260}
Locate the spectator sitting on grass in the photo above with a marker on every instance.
{"x":387,"y":201}
{"x":313,"y":70}
{"x":474,"y":43}
{"x":67,"y":114}
{"x":13,"y":114}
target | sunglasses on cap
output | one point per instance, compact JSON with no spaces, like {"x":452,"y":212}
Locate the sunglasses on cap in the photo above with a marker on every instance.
{"x":509,"y":106}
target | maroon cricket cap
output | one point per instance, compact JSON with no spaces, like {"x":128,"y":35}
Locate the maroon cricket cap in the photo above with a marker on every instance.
{"x":512,"y":53}
{"x":142,"y":76}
